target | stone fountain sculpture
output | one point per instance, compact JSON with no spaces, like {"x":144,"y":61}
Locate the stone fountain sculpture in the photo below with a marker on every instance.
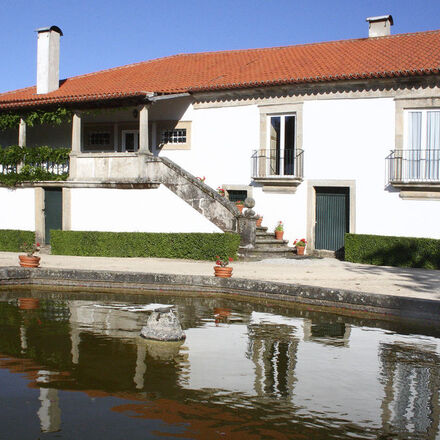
{"x":163,"y":325}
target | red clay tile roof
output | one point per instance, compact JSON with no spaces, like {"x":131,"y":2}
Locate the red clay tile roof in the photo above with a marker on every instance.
{"x":380,"y":57}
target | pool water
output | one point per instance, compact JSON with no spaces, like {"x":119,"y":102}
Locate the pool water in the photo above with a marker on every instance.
{"x":72,"y":366}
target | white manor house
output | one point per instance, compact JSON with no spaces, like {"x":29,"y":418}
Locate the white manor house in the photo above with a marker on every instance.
{"x":332,"y":137}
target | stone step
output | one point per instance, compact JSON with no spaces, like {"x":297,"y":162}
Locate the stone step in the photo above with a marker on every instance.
{"x":264,"y":233}
{"x":261,"y":254}
{"x":274,"y":249}
{"x":258,"y":256}
{"x":270,"y":241}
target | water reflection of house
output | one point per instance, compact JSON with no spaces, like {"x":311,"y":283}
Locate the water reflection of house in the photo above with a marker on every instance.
{"x":273,"y":346}
{"x":411,"y":378}
{"x":334,"y":332}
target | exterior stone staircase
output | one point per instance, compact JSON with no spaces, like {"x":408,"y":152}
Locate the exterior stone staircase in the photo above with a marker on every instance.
{"x":266,"y":246}
{"x":256,"y":242}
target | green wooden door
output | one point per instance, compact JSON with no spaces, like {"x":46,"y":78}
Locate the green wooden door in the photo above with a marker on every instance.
{"x":53,"y":211}
{"x":332,"y":217}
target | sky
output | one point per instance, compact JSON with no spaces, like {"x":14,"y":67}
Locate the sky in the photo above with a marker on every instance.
{"x":102,"y":34}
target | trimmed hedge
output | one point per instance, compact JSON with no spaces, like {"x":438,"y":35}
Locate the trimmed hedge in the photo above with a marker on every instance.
{"x":383,"y":250}
{"x":195,"y":246}
{"x":12,"y":239}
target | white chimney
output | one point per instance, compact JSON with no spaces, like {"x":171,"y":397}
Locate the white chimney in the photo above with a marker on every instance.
{"x":48,"y":59}
{"x":379,"y":26}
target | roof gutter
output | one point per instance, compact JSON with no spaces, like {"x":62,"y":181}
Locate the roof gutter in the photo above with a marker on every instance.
{"x":154,"y":98}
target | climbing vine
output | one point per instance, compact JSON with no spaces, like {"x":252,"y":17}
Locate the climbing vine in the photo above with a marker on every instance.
{"x":35,"y":117}
{"x":21,"y":164}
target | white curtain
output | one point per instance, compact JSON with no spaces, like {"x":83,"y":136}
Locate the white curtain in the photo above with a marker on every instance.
{"x":414,"y":144}
{"x":432,"y":170}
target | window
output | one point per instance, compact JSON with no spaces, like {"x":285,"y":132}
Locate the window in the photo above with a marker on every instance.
{"x":99,"y":138}
{"x":281,"y":145}
{"x":422,"y":144}
{"x":237,"y":195}
{"x":175,"y":136}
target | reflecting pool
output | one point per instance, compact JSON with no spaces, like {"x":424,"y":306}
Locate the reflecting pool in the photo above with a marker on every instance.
{"x":72,"y":366}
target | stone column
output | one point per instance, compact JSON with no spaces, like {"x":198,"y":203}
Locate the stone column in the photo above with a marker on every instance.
{"x":143,"y":130}
{"x":141,"y":367}
{"x":76,"y":145}
{"x":154,"y":138}
{"x":75,"y":339}
{"x":22,"y":133}
{"x":76,"y":133}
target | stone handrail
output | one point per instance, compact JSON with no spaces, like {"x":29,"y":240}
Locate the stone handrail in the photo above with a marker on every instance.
{"x":193,"y":191}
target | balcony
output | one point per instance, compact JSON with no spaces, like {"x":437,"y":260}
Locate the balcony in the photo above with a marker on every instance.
{"x":278,"y":170}
{"x":414,"y":168}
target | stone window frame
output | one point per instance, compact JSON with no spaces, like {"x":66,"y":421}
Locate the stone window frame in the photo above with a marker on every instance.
{"x":280,"y":183}
{"x":413,"y":190}
{"x":167,"y":125}
{"x":247,"y":188}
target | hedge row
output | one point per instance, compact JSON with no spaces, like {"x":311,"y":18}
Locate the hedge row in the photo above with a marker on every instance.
{"x":383,"y":250}
{"x":11,"y":239}
{"x":195,"y":246}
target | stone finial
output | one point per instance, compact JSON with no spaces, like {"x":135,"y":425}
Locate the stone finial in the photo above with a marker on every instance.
{"x":249,"y":202}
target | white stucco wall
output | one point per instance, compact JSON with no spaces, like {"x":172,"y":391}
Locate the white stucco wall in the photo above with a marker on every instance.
{"x":136,"y":210}
{"x":221,"y":144}
{"x":18,"y":209}
{"x":354,"y":137}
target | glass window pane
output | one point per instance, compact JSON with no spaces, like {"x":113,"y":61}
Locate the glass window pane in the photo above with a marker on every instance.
{"x":289,"y":133}
{"x":274,"y":145}
{"x":414,"y":130}
{"x":289,"y":145}
{"x":433,"y":130}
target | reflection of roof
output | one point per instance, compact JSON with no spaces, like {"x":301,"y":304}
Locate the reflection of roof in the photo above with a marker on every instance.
{"x":398,"y":55}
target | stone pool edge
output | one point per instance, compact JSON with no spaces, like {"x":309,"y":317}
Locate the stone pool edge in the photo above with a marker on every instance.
{"x":407,"y":307}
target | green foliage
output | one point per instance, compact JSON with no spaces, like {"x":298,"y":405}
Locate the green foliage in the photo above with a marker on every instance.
{"x":34,"y":160}
{"x":393,"y":251}
{"x":35,"y":117}
{"x":196,"y":246}
{"x":12,"y":240}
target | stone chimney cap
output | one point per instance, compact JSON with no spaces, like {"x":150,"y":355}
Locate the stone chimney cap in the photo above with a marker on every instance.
{"x":48,"y":29}
{"x":378,"y":18}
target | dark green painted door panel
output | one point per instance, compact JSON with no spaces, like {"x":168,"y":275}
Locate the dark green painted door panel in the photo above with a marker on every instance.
{"x":332,"y":217}
{"x":53,"y":210}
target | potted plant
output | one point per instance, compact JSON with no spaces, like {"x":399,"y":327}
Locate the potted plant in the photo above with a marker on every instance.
{"x":202,"y":179}
{"x":29,"y":260}
{"x":300,"y":245}
{"x":279,"y":230}
{"x":221,"y":191}
{"x":240,"y":205}
{"x":259,"y":220}
{"x":221,"y":268}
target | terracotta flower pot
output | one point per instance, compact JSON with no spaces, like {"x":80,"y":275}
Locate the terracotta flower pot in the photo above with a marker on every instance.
{"x":240,"y":208}
{"x":259,"y":221}
{"x":279,"y":235}
{"x":223,"y":272}
{"x":29,"y":260}
{"x":28,"y":303}
{"x":300,"y":250}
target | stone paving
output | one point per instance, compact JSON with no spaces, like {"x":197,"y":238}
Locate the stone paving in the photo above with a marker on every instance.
{"x":325,"y":272}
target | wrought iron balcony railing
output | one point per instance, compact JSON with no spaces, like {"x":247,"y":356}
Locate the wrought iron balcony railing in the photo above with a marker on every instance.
{"x":413,"y":166}
{"x":277,"y":163}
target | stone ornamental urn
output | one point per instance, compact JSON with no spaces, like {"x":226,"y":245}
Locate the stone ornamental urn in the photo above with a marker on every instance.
{"x":163,"y":325}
